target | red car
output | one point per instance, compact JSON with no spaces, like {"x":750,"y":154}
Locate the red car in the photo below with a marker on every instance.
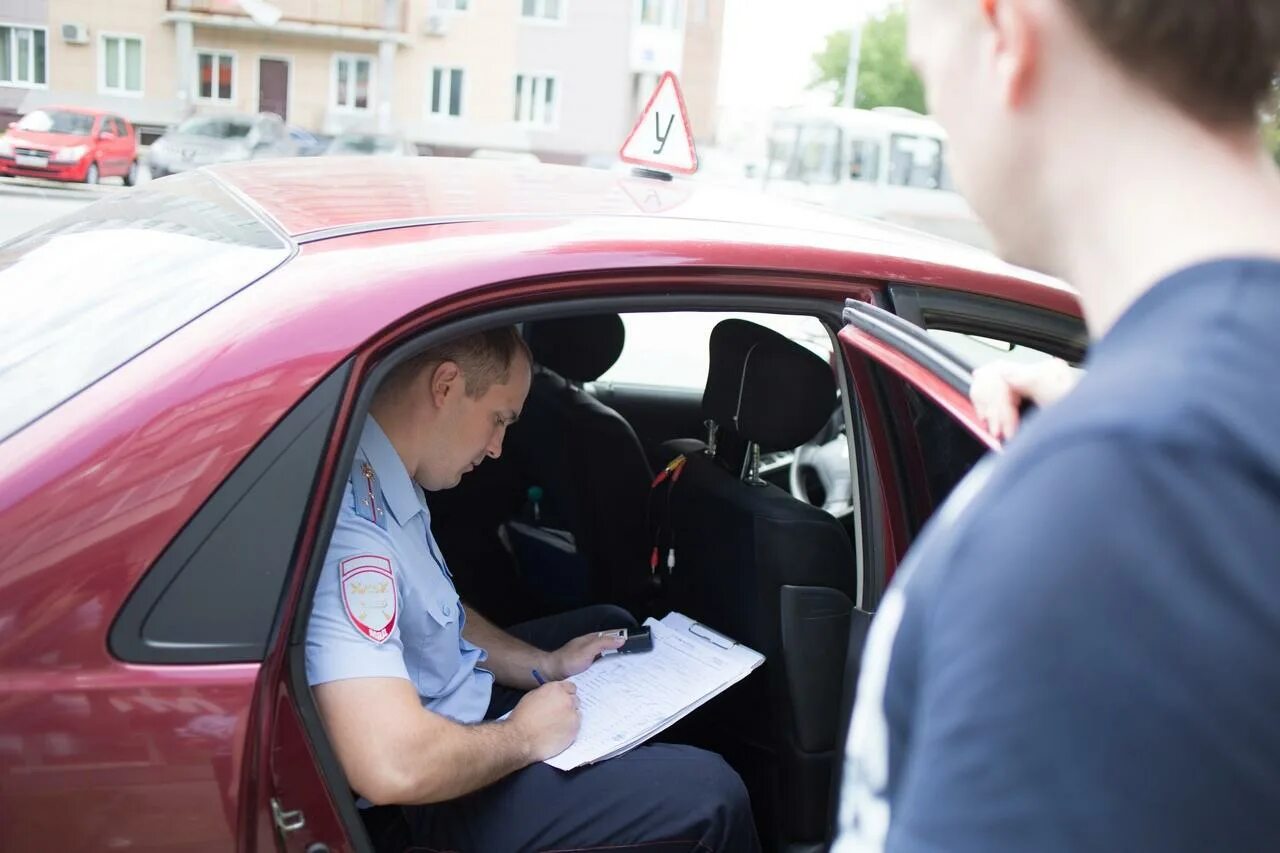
{"x":70,"y":144}
{"x":180,"y":419}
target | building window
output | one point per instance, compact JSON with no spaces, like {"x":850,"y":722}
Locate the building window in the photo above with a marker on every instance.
{"x":543,"y":10}
{"x":660,"y":13}
{"x":122,"y":65}
{"x":536,"y":99}
{"x":351,"y":76}
{"x":446,"y":91}
{"x":451,"y":5}
{"x":23,"y":58}
{"x":215,"y":75}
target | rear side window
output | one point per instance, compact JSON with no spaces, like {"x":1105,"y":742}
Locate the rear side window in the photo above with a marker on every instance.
{"x":88,"y":292}
{"x":213,"y":595}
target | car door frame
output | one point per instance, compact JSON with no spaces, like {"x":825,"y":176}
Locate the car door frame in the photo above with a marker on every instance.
{"x":288,"y":759}
{"x":874,"y":335}
{"x":1035,"y":326}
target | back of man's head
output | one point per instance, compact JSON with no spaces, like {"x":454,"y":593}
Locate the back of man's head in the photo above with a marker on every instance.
{"x":484,"y":359}
{"x":1215,"y":59}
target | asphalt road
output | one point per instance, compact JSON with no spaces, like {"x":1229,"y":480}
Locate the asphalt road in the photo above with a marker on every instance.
{"x":27,"y":204}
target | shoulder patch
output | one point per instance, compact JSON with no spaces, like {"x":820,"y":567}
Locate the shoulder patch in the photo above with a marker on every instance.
{"x":369,"y":595}
{"x":366,"y":493}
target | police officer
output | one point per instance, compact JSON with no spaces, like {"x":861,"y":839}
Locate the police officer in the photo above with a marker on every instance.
{"x":404,"y":673}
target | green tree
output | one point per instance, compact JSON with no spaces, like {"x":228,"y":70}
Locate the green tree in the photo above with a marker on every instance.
{"x":885,"y":77}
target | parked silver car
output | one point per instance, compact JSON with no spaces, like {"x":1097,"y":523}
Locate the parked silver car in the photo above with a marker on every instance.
{"x":207,"y":139}
{"x":371,"y":144}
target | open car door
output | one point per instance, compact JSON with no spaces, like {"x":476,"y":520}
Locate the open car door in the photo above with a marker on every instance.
{"x":884,"y":353}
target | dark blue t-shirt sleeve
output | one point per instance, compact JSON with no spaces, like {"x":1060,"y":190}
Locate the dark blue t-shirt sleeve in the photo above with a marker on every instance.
{"x":1064,"y":698}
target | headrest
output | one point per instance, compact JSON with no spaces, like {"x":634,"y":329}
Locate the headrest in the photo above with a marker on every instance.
{"x":580,"y":349}
{"x":769,"y":389}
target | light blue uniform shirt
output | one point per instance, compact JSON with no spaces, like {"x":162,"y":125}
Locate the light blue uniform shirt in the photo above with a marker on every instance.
{"x":386,"y":604}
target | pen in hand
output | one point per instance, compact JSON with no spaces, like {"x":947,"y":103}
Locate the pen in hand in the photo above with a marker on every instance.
{"x":537,"y":676}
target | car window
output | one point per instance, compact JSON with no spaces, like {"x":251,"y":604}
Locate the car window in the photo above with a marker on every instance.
{"x":218,"y":128}
{"x":57,"y":121}
{"x":671,"y":349}
{"x":163,"y":256}
{"x":915,"y":161}
{"x":979,"y":350}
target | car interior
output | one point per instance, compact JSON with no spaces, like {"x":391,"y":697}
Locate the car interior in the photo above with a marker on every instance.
{"x":763,"y":532}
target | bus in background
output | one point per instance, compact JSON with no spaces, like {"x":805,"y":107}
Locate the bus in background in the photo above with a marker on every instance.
{"x":887,"y":163}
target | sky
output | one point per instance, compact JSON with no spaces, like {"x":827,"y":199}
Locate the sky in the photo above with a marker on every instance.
{"x":767,"y":54}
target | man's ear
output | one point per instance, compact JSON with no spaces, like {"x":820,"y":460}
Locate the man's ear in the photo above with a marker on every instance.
{"x":446,"y":380}
{"x":1016,"y":45}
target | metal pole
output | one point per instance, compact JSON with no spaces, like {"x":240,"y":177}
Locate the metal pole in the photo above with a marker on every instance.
{"x":851,"y":73}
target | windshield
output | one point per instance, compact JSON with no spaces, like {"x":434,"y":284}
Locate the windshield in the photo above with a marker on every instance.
{"x":57,"y":121}
{"x":218,"y":128}
{"x":88,"y":292}
{"x":364,"y":145}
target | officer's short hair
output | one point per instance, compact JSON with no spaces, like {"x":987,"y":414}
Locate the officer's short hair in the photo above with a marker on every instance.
{"x":1215,"y":59}
{"x":485,"y":359}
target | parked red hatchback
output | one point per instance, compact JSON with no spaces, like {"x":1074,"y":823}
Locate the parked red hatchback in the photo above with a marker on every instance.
{"x":70,"y":144}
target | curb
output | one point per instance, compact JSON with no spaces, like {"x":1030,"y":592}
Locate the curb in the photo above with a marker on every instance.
{"x":54,"y":189}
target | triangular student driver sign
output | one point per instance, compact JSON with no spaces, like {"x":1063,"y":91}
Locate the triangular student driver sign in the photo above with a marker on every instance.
{"x":662,"y":138}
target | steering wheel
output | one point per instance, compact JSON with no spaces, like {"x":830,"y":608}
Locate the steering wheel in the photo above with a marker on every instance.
{"x":820,"y":475}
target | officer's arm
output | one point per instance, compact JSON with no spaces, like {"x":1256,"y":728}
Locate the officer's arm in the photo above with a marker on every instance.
{"x":510,"y":660}
{"x":395,"y":751}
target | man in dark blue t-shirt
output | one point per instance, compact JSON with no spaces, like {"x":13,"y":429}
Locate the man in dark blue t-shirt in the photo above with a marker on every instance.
{"x":1082,"y":652}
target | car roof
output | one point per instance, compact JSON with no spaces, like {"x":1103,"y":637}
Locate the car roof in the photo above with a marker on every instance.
{"x":311,"y":199}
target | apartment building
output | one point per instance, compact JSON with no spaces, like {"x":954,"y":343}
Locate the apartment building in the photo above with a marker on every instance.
{"x":560,"y":78}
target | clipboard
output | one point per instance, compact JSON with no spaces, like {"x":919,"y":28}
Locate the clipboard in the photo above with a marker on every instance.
{"x":703,"y":632}
{"x":629,"y":700}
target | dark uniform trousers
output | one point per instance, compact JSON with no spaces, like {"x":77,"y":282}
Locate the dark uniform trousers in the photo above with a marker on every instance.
{"x":660,"y":798}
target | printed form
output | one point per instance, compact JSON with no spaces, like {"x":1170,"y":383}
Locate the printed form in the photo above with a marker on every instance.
{"x":626,"y":699}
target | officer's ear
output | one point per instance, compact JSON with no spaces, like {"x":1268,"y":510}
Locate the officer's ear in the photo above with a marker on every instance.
{"x":446,"y":380}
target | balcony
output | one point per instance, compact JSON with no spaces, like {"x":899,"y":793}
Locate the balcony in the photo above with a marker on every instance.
{"x":353,"y":20}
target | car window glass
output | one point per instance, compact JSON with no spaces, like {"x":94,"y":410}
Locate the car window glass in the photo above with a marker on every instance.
{"x":163,"y":256}
{"x":820,"y":154}
{"x":218,"y":128}
{"x":979,"y":350}
{"x":864,"y":160}
{"x":915,"y":161}
{"x":671,"y":349}
{"x":57,"y":121}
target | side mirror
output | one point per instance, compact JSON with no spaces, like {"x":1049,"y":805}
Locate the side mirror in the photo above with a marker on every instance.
{"x":107,"y":134}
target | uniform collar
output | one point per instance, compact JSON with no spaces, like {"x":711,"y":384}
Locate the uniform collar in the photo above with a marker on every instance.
{"x":398,"y":488}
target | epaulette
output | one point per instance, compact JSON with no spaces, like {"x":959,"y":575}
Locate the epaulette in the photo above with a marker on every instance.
{"x":367,"y":492}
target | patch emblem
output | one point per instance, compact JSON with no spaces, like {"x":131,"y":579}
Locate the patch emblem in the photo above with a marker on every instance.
{"x":369,"y":595}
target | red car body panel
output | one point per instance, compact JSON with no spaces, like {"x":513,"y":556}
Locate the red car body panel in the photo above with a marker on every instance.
{"x":96,"y":753}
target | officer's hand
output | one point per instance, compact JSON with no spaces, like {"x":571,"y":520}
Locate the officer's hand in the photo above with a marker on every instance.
{"x":1000,"y":388}
{"x":548,"y":719}
{"x":576,"y":655}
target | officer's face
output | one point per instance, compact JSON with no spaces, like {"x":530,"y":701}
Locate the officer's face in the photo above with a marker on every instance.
{"x":471,"y":428}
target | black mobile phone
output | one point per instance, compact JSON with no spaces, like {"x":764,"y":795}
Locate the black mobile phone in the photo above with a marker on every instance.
{"x":638,"y":640}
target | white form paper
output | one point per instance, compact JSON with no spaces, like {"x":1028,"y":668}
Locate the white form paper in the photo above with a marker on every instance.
{"x":626,"y":699}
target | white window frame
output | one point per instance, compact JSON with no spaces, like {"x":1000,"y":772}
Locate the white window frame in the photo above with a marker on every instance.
{"x":540,"y":17}
{"x":445,"y":115}
{"x":103,"y":88}
{"x":333,"y":82}
{"x":218,"y":54}
{"x":526,"y":96}
{"x":14,"y":81}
